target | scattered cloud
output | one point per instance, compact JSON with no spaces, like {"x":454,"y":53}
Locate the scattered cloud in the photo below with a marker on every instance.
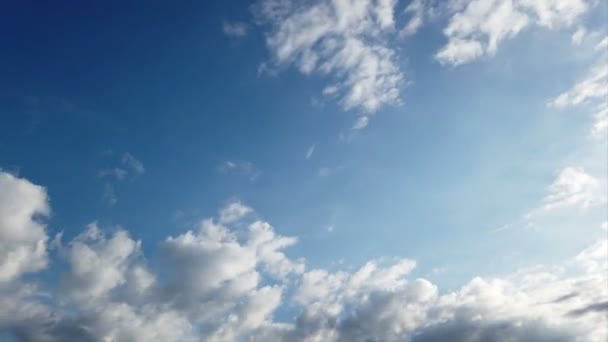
{"x":573,"y":187}
{"x":310,"y":151}
{"x":235,"y":29}
{"x":416,"y":12}
{"x":325,"y":171}
{"x":234,"y":211}
{"x":125,"y":166}
{"x":593,"y":91}
{"x":477,"y":27}
{"x":346,"y":40}
{"x":602,"y":45}
{"x":361,"y":123}
{"x":224,"y":284}
{"x":240,"y":168}
{"x":116,"y":173}
{"x":593,"y":87}
{"x":578,"y":36}
{"x":109,"y":194}
{"x":136,"y":166}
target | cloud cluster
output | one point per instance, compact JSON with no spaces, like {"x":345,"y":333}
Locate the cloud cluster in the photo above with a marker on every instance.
{"x":222,"y":283}
{"x":477,"y":27}
{"x":345,"y":39}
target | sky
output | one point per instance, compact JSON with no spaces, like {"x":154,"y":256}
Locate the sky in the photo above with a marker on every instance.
{"x":324,"y":170}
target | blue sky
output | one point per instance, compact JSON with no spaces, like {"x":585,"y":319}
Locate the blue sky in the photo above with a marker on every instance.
{"x":469,"y":136}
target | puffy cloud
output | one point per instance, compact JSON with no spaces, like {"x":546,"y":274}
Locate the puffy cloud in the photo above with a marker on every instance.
{"x":234,"y":211}
{"x":221,"y":283}
{"x":477,"y":27}
{"x":99,"y":264}
{"x":23,"y":236}
{"x":346,"y":39}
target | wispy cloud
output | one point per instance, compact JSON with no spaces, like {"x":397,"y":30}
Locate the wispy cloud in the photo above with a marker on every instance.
{"x":477,"y":27}
{"x":235,"y":29}
{"x":346,"y":40}
{"x":310,"y":151}
{"x":124,"y":166}
{"x":240,"y":168}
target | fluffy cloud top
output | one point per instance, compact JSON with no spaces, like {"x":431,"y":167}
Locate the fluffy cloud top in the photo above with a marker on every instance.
{"x":222,"y":283}
{"x":22,"y":232}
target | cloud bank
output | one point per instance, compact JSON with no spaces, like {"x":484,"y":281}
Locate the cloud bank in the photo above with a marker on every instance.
{"x":230,"y":278}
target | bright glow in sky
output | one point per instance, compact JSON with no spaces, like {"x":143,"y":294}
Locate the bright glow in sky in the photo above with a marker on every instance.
{"x":325,"y":170}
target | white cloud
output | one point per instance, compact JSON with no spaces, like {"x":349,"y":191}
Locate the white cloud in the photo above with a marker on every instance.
{"x":459,"y":51}
{"x":234,"y":211}
{"x":602,"y":45}
{"x":23,"y":238}
{"x":235,"y":29}
{"x":99,"y":264}
{"x":578,"y":36}
{"x":218,"y":283}
{"x":416,"y":11}
{"x":348,"y":40}
{"x":593,"y":87}
{"x":477,"y":27}
{"x":600,"y":122}
{"x":592,"y":91}
{"x":573,"y":187}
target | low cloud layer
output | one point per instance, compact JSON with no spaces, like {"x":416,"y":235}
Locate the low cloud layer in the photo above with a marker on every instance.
{"x":230,"y":278}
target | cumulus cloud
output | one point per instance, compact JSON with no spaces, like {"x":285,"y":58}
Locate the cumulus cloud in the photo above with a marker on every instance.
{"x":234,"y":211}
{"x":477,"y":27}
{"x":23,"y":206}
{"x":348,"y":40}
{"x":226,"y":281}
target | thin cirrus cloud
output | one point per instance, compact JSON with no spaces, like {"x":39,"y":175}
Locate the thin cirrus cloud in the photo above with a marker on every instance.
{"x":235,"y":29}
{"x":124,"y":166}
{"x":221,"y":283}
{"x":240,"y":168}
